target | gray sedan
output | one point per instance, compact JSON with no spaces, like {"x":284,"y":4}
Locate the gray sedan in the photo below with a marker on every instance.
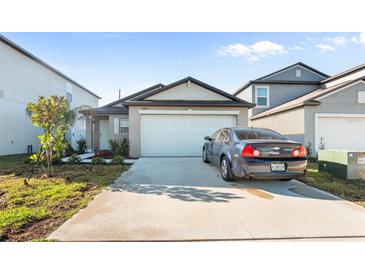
{"x":255,"y":153}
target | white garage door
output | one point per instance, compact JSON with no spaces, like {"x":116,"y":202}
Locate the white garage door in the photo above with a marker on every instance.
{"x":341,"y":132}
{"x":179,"y":135}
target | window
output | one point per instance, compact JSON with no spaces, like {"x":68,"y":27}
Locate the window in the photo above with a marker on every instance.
{"x":215,"y":134}
{"x":262,"y":96}
{"x":361,"y":97}
{"x":244,"y":134}
{"x":223,"y":136}
{"x":69,"y":92}
{"x":69,"y":97}
{"x":123,"y":126}
{"x":298,"y":73}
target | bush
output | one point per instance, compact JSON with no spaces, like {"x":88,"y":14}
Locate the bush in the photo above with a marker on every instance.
{"x":74,"y":159}
{"x":32,"y":159}
{"x":97,"y":161}
{"x":69,"y":151}
{"x":81,"y":146}
{"x":119,"y":146}
{"x":118,"y":160}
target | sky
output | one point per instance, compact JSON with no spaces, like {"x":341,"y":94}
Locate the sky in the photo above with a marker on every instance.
{"x":107,"y":62}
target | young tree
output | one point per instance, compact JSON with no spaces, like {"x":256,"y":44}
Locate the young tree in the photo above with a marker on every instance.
{"x":54,"y":116}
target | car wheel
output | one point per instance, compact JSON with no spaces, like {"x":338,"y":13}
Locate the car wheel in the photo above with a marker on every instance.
{"x":205,"y":155}
{"x":226,"y":169}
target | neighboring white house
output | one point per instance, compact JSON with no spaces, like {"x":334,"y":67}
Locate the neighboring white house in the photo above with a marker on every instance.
{"x":24,"y":77}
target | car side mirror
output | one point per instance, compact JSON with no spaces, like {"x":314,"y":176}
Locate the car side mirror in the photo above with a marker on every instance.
{"x":207,"y":138}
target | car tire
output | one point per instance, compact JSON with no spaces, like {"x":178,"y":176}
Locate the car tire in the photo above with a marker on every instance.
{"x":225,"y":169}
{"x":205,"y":156}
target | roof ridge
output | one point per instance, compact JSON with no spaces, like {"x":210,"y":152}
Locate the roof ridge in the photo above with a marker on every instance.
{"x":196,"y":81}
{"x":348,"y":71}
{"x":154,"y":87}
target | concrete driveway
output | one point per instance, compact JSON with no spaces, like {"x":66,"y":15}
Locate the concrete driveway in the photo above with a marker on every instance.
{"x":185,"y":199}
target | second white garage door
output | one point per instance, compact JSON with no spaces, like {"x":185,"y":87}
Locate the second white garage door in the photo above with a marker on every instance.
{"x":179,"y":135}
{"x":341,"y":132}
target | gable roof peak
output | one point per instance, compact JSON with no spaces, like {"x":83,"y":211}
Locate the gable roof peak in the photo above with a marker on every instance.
{"x":292,"y":66}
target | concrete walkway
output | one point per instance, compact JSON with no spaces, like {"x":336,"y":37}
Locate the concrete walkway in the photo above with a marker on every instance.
{"x":185,"y":199}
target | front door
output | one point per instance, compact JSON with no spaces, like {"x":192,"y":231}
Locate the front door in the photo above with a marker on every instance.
{"x":103,"y":134}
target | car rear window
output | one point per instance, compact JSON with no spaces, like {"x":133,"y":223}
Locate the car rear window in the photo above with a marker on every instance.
{"x":243,"y":134}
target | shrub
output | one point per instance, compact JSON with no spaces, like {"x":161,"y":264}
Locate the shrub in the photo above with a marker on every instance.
{"x":125,"y":147}
{"x":309,"y":149}
{"x":69,"y":151}
{"x":74,"y":159}
{"x":81,"y":146}
{"x":32,"y":159}
{"x":118,"y":160}
{"x":119,"y":146}
{"x":97,"y":161}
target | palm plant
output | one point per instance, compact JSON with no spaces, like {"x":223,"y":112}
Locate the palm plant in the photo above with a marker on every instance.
{"x":55,"y":116}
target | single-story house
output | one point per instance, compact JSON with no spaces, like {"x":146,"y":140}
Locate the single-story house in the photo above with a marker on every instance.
{"x":169,"y":120}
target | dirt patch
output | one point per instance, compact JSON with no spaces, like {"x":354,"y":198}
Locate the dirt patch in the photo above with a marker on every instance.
{"x":36,"y":231}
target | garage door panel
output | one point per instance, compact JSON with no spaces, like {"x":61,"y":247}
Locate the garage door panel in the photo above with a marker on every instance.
{"x":179,"y":135}
{"x":342,"y":132}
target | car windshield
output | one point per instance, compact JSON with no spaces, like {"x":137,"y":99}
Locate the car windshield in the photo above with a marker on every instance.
{"x":251,"y":133}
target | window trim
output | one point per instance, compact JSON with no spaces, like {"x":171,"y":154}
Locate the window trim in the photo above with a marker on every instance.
{"x":358,"y":96}
{"x":120,"y":125}
{"x":267,"y":97}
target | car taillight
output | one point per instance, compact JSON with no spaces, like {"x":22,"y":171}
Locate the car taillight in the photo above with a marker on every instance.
{"x":299,"y":152}
{"x":249,"y":151}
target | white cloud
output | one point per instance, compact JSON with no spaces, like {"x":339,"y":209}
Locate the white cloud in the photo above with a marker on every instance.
{"x":235,"y":50}
{"x":253,"y":52}
{"x":337,"y":41}
{"x":359,"y":39}
{"x":362,"y":38}
{"x":325,"y":48}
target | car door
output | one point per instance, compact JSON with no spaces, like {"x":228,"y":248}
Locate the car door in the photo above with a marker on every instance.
{"x":210,"y":145}
{"x":218,"y":144}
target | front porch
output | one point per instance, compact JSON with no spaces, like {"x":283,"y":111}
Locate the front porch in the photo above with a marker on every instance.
{"x":102,"y":126}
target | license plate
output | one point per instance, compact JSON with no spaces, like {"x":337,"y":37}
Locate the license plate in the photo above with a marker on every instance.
{"x":278,"y":167}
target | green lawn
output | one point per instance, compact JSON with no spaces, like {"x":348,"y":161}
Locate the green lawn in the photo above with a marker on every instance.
{"x":32,"y":212}
{"x":352,"y":190}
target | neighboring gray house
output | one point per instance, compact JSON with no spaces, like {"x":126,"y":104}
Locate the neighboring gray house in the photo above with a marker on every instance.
{"x":333,"y":108}
{"x":167,"y":120}
{"x":280,"y":86}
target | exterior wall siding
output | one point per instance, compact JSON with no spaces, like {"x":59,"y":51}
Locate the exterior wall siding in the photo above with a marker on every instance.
{"x":135,"y":122}
{"x":184,"y":92}
{"x":289,"y":123}
{"x":289,"y":75}
{"x":280,"y":94}
{"x":342,"y":102}
{"x":22,"y":80}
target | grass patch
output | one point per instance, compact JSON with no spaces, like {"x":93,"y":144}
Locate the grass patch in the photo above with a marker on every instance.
{"x":32,"y":212}
{"x":352,"y":190}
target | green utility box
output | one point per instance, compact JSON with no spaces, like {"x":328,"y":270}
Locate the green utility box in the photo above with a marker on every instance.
{"x":344,"y":164}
